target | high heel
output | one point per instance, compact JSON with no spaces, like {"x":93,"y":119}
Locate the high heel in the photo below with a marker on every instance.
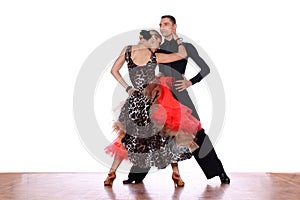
{"x":110,"y":179}
{"x":177,"y":180}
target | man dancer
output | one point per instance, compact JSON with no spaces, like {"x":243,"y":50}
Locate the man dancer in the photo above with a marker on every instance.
{"x":210,"y":163}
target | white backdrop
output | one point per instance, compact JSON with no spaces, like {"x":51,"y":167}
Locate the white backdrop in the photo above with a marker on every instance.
{"x":253,"y":44}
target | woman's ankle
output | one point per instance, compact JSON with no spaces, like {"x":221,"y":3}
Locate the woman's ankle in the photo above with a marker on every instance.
{"x":112,"y":171}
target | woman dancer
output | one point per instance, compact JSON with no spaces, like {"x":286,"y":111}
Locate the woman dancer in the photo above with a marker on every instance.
{"x":153,"y":128}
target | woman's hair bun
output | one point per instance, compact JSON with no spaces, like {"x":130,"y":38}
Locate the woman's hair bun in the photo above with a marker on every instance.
{"x":146,"y":34}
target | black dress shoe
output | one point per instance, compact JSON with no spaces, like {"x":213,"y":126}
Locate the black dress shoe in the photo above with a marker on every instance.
{"x":224,"y":178}
{"x":129,"y":181}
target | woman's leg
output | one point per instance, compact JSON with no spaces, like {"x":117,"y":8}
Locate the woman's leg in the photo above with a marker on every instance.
{"x":176,"y":175}
{"x":112,"y":172}
{"x":115,"y":164}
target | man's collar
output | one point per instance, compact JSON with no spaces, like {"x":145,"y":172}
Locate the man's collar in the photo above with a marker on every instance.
{"x":168,"y":41}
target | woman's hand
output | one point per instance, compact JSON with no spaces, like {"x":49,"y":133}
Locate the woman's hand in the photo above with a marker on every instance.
{"x":174,"y":35}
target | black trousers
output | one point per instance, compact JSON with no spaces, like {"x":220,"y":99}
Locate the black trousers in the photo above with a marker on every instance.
{"x":205,"y":156}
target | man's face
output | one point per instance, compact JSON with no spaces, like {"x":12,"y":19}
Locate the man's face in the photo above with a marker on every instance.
{"x":166,"y":27}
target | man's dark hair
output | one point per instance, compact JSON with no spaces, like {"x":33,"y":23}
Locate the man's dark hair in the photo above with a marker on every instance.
{"x":170,"y":17}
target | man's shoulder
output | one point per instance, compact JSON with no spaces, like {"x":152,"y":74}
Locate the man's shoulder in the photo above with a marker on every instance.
{"x":187,"y":44}
{"x":190,"y":48}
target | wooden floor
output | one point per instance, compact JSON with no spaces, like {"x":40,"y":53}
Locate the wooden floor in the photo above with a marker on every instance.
{"x":65,"y":186}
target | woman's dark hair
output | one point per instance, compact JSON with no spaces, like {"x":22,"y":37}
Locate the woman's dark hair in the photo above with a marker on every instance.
{"x":146,"y":34}
{"x":170,"y":17}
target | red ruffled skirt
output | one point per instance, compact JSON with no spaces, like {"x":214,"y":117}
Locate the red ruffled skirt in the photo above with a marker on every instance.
{"x":174,"y":118}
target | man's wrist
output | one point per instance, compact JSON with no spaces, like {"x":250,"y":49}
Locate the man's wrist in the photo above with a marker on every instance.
{"x":196,"y":79}
{"x":128,"y":88}
{"x":191,"y":82}
{"x":179,"y":41}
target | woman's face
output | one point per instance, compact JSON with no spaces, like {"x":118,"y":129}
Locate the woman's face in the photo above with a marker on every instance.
{"x":155,"y":40}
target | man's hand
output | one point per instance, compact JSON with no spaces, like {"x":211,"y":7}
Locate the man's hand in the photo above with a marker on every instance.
{"x":181,"y":85}
{"x":132,"y":90}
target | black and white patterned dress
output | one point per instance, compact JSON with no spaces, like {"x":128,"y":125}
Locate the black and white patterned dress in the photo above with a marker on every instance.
{"x":144,"y":140}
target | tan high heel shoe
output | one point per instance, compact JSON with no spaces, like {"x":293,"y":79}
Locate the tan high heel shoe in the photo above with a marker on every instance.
{"x":177,"y":180}
{"x":110,"y":179}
